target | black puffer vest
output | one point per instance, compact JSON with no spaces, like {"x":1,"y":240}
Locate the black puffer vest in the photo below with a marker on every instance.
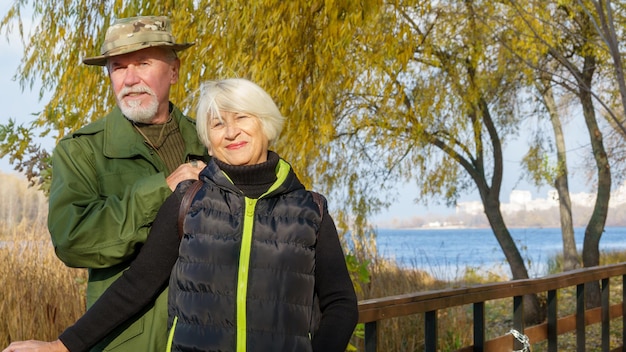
{"x":245,"y":275}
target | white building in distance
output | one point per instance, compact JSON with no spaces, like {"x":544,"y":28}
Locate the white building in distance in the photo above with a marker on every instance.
{"x":520,"y":200}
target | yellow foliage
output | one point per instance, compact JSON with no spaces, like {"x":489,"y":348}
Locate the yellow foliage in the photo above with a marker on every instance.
{"x":410,"y":90}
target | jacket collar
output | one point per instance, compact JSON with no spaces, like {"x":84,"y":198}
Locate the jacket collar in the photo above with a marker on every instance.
{"x":121,"y":140}
{"x":286,"y":179}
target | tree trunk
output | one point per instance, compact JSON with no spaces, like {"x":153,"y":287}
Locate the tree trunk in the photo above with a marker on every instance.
{"x":533,"y":313}
{"x":570,"y":254}
{"x":595,"y":227}
{"x":490,"y":197}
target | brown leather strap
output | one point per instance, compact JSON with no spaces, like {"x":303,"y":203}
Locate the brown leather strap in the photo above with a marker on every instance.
{"x":185,"y":204}
{"x":319,"y":199}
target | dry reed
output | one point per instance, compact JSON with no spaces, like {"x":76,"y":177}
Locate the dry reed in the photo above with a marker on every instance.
{"x":407,"y":333}
{"x":40,"y":296}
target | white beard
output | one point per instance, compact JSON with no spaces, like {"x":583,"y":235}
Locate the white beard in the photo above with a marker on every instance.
{"x":135,"y":110}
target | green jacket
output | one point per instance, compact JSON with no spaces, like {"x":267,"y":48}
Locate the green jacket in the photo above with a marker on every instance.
{"x":107,"y":186}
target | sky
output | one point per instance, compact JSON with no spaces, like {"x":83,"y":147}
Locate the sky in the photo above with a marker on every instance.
{"x":19,"y":104}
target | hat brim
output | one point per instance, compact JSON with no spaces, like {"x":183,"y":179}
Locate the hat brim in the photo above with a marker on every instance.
{"x":101,"y":60}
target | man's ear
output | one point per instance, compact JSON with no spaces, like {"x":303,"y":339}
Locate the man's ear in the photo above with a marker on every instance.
{"x":175,"y":67}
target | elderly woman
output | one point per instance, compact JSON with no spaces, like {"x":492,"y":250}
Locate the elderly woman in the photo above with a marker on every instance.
{"x":255,"y":252}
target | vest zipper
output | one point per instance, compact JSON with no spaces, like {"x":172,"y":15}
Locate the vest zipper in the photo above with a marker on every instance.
{"x":243,"y":272}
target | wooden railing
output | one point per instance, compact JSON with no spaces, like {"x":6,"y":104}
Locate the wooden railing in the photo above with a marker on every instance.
{"x":428,"y":303}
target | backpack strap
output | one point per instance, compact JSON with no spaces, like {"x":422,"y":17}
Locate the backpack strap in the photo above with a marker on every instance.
{"x":319,"y":200}
{"x":185,"y":204}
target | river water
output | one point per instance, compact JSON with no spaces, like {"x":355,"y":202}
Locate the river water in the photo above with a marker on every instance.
{"x":447,"y":253}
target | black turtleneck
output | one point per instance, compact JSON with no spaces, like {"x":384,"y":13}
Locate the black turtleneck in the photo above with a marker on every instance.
{"x":252,"y":180}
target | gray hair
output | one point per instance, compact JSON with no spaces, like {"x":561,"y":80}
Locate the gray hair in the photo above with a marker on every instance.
{"x":237,"y":95}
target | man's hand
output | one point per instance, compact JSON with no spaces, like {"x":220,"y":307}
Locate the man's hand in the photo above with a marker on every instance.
{"x":36,"y":346}
{"x":186,"y":171}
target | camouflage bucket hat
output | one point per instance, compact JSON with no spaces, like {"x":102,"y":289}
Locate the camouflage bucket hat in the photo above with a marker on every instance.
{"x":135,"y":33}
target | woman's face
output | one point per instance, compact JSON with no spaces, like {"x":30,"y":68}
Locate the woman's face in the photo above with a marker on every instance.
{"x":238,"y":139}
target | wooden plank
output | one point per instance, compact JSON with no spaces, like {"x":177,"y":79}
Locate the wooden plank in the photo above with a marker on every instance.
{"x":498,"y":344}
{"x":373,"y":310}
{"x":538,"y":333}
{"x":421,"y":302}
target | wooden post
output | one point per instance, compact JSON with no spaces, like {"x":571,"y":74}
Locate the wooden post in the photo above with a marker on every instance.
{"x":552,"y":321}
{"x":430,"y":331}
{"x":479,"y":326}
{"x":518,"y":320}
{"x":371,"y":337}
{"x":580,"y":318}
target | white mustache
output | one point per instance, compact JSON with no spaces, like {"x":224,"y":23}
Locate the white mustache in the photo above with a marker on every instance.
{"x":136,"y":89}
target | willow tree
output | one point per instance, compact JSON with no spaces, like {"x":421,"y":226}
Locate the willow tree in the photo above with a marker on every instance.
{"x":319,"y":59}
{"x":530,"y":27}
{"x":298,"y":51}
{"x":574,"y":48}
{"x":583,"y":72}
{"x":375,"y":92}
{"x":436,"y":112}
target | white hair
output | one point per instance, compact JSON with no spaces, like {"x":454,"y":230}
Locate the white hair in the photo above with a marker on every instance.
{"x":237,"y":95}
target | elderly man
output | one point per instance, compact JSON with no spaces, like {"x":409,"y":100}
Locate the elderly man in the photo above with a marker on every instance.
{"x":110,"y":177}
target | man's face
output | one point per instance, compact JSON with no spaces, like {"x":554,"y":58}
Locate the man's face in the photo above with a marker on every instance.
{"x":141,"y":82}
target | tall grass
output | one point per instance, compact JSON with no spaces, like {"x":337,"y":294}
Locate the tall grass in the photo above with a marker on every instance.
{"x":39,"y":296}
